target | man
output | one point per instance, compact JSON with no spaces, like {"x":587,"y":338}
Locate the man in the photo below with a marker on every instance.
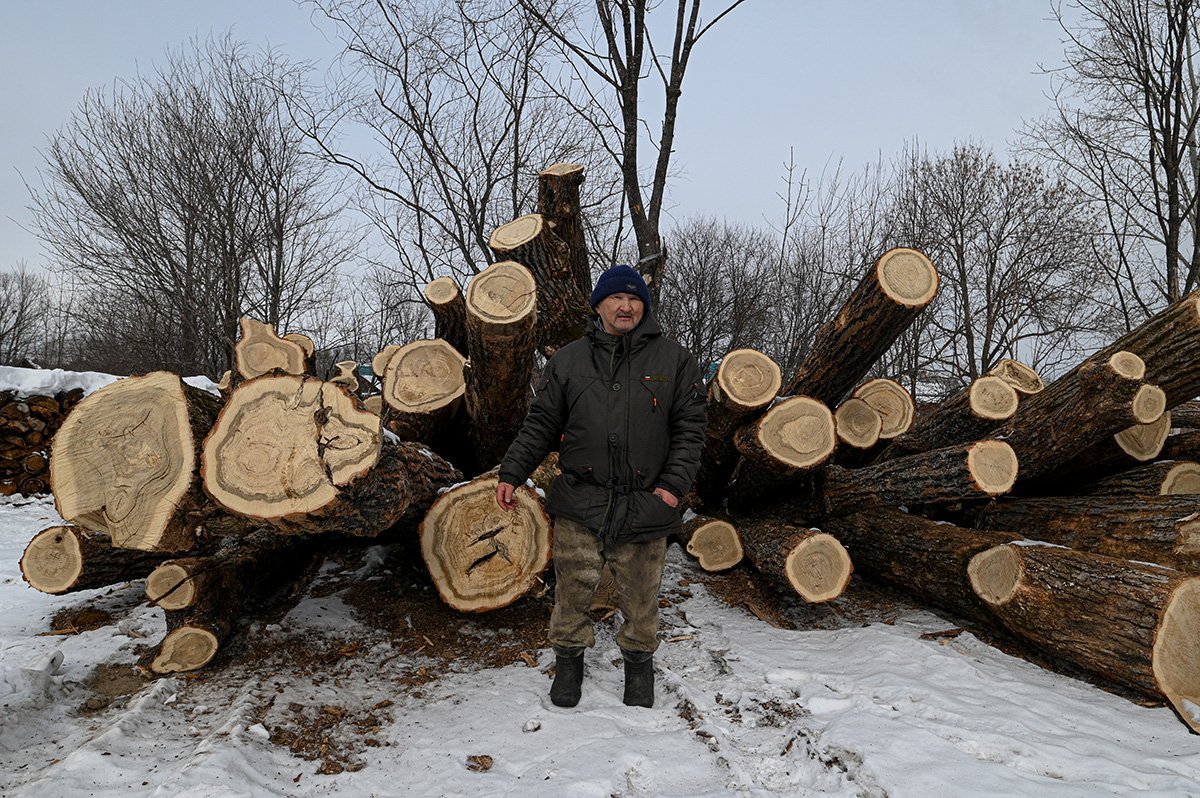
{"x":625,"y":406}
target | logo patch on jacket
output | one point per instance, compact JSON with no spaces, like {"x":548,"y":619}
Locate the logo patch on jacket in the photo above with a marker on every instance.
{"x":656,"y":378}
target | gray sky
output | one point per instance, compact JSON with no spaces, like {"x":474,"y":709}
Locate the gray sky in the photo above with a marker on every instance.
{"x":838,"y":79}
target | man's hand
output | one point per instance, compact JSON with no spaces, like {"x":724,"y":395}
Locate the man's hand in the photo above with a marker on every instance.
{"x":667,"y":496}
{"x":504,"y":496}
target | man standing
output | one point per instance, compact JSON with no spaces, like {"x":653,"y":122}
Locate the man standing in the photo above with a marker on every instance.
{"x":625,"y":406}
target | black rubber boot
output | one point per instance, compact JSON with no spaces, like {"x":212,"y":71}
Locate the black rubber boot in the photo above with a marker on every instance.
{"x":639,"y":678}
{"x":568,"y":679}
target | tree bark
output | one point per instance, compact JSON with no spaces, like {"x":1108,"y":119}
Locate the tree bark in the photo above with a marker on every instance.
{"x":810,"y":562}
{"x":1130,"y":447}
{"x":449,"y":313}
{"x":423,"y":384}
{"x":780,"y":449}
{"x":890,"y":296}
{"x":1166,"y":478}
{"x":65,"y":559}
{"x":1132,"y":624}
{"x":558,"y":202}
{"x":968,"y":415}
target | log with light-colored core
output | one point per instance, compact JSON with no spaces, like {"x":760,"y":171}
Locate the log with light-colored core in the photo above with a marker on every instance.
{"x":1128,"y":365}
{"x":819,"y":568}
{"x":260,"y":350}
{"x":423,"y":376}
{"x":53,"y":560}
{"x":1144,"y":441}
{"x":374,"y":404}
{"x":993,"y":398}
{"x":1176,"y":656}
{"x":798,"y":432}
{"x":748,"y":379}
{"x":501,"y":294}
{"x":1182,"y":479}
{"x":185,"y":649}
{"x":125,"y":458}
{"x":908,"y":277}
{"x":714,"y":543}
{"x":441,"y":290}
{"x":1022,"y":378}
{"x":482,"y":557}
{"x":893,"y":404}
{"x":857,"y":424}
{"x":1149,"y":403}
{"x":380,"y":361}
{"x":994,"y":574}
{"x":284,"y":445}
{"x":171,"y":586}
{"x":993,"y":464}
{"x":516,"y":233}
{"x":303,"y":341}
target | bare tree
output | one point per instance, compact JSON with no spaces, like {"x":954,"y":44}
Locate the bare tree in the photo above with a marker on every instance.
{"x":23,"y":300}
{"x":1124,"y":133}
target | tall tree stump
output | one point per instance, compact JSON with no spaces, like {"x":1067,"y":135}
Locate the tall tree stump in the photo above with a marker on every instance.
{"x":560,"y":206}
{"x":124,"y":462}
{"x":482,"y":557}
{"x":449,"y":313}
{"x":501,"y":314}
{"x":65,"y":559}
{"x":424,"y":385}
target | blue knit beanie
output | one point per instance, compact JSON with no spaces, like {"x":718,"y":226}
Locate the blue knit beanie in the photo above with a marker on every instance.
{"x":620,"y":279}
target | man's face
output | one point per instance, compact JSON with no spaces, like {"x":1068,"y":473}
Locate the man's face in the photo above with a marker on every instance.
{"x":620,"y":313}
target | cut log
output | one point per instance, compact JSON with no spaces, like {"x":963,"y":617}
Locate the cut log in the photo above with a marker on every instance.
{"x":501,"y":314}
{"x":893,"y":404}
{"x":1084,"y":407}
{"x":1167,"y":478}
{"x":562,"y":308}
{"x":1130,"y":447}
{"x":1159,"y":529}
{"x":481,"y":557}
{"x":714,"y":543}
{"x":781,"y":447}
{"x":809,"y":561}
{"x":260,"y":351}
{"x":424,"y":385}
{"x":968,"y":415}
{"x":745,"y":385}
{"x":899,"y":286}
{"x":1181,"y":446}
{"x":380,"y":361}
{"x":952,"y":476}
{"x":347,"y":375}
{"x":1186,"y":415}
{"x":125,"y":462}
{"x":1132,"y":624}
{"x":857,"y":424}
{"x":373,"y":404}
{"x":449,"y":313}
{"x":559,"y":204}
{"x":1020,"y":377}
{"x":925,"y":558}
{"x":64,"y":559}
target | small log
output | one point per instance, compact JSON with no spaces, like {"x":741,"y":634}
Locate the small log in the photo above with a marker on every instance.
{"x":424,"y":385}
{"x":65,"y":559}
{"x":745,"y":385}
{"x":809,"y":561}
{"x":968,"y":415}
{"x":560,"y":206}
{"x":858,"y":425}
{"x":481,"y":557}
{"x":891,"y":295}
{"x":1159,"y":529}
{"x":893,"y":404}
{"x":1130,"y":623}
{"x":501,"y":317}
{"x":1166,"y":478}
{"x":260,"y":351}
{"x":373,"y":404}
{"x":781,"y":447}
{"x":124,"y":462}
{"x":449,"y":313}
{"x":713,"y":542}
{"x":1130,"y":447}
{"x":562,"y":308}
{"x":1024,"y":380}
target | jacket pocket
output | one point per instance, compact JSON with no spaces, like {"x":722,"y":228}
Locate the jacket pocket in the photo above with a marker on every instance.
{"x":580,"y":501}
{"x":649,"y":514}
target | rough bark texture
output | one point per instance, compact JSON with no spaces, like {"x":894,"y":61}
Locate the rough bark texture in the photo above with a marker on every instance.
{"x":125,"y":462}
{"x":882,"y":307}
{"x":1132,"y":624}
{"x":1181,"y":446}
{"x":558,"y":202}
{"x":501,"y":316}
{"x":64,"y":559}
{"x":780,"y":449}
{"x":968,"y":415}
{"x":808,"y":561}
{"x":423,"y":385}
{"x":1160,"y":529}
{"x":1166,"y":478}
{"x":481,"y":557}
{"x":449,"y":313}
{"x":1112,"y":454}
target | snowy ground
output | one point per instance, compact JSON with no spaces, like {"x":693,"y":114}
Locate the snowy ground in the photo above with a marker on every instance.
{"x":744,"y":708}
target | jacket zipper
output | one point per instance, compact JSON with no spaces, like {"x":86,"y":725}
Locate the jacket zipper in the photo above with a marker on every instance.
{"x":612,"y":368}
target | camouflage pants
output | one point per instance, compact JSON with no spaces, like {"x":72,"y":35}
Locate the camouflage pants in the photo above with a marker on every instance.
{"x":579,"y":558}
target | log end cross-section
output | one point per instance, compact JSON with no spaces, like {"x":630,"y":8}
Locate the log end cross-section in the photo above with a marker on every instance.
{"x":424,"y":385}
{"x":993,"y":466}
{"x":53,"y":560}
{"x":857,"y":423}
{"x":794,"y":435}
{"x":260,"y":351}
{"x":1182,"y":478}
{"x":481,"y":557}
{"x":893,"y":404}
{"x":747,"y":380}
{"x":715,"y":544}
{"x":1021,"y":377}
{"x":1176,"y":655}
{"x":187,"y":648}
{"x":907,"y":277}
{"x":992,"y":398}
{"x":818,"y":567}
{"x":1143,"y":442}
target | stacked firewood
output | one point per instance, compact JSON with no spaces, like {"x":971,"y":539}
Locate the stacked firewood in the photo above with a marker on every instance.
{"x":1059,"y":513}
{"x":27,"y":424}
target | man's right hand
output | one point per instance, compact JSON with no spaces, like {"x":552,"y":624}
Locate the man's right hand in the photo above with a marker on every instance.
{"x":504,"y":496}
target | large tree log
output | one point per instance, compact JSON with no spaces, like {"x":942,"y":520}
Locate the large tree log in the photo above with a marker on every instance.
{"x":809,"y":561}
{"x":1133,"y":624}
{"x":1160,"y":529}
{"x":481,"y":557}
{"x":890,"y":296}
{"x":559,"y":204}
{"x":562,"y":308}
{"x":745,"y":385}
{"x":714,"y":543}
{"x":64,"y":559}
{"x":449,"y":312}
{"x":260,"y":351}
{"x":1166,"y":478}
{"x":125,"y":462}
{"x":1183,"y":445}
{"x":1186,"y":415}
{"x":501,"y":317}
{"x":1136,"y":445}
{"x":925,"y":558}
{"x":968,"y":415}
{"x":424,"y":385}
{"x":1081,"y":408}
{"x":893,"y":404}
{"x":781,"y":448}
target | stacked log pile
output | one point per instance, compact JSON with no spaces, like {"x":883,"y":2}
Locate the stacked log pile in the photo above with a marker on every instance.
{"x":1047,"y":511}
{"x":27,"y":425}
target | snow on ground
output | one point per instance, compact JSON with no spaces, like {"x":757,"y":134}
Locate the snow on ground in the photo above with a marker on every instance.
{"x":744,"y":708}
{"x":48,"y":382}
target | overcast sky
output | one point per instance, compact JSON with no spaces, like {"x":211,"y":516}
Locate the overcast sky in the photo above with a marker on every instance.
{"x":845,"y":79}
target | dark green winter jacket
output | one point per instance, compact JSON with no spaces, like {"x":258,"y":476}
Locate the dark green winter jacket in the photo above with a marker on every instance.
{"x":627,"y":415}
